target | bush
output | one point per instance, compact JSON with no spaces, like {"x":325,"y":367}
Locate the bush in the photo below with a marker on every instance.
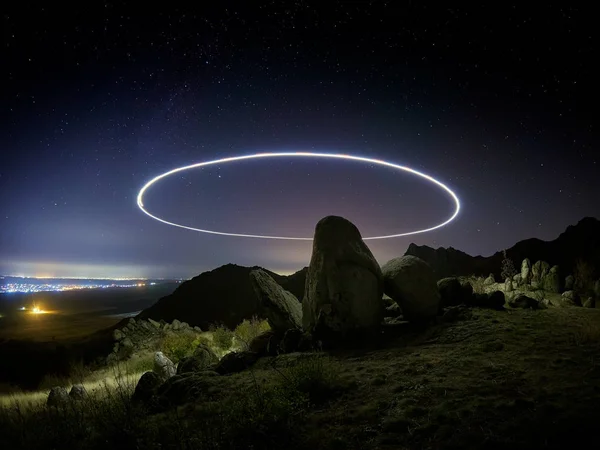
{"x":178,"y":345}
{"x":508,"y":267}
{"x":246,"y":331}
{"x":315,"y":378}
{"x":222,"y":338}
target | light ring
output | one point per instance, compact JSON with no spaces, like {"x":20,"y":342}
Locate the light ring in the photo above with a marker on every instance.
{"x":140,"y":196}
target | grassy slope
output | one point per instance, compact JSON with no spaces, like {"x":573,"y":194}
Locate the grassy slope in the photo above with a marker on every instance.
{"x":518,"y":379}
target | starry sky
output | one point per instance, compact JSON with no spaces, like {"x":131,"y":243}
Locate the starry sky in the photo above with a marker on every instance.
{"x":496,"y":100}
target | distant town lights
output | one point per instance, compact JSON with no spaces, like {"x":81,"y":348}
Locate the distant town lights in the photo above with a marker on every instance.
{"x":140,"y":197}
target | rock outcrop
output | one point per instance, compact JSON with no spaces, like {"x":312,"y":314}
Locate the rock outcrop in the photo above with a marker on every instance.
{"x":411,"y":283}
{"x":281,"y":308}
{"x":344,"y":284}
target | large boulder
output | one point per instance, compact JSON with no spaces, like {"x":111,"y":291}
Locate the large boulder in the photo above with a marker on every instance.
{"x":184,"y":388}
{"x":202,"y":359}
{"x":525,"y":271}
{"x":551,"y":281}
{"x":58,"y":397}
{"x":589,"y":303}
{"x":146,"y":387}
{"x":453,"y":292}
{"x":344,"y":283}
{"x":411,"y":283}
{"x":281,"y":308}
{"x":508,"y":285}
{"x":163,"y":366}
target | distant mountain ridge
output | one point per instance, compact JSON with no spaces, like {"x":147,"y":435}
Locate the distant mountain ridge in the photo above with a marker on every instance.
{"x":580,"y":241}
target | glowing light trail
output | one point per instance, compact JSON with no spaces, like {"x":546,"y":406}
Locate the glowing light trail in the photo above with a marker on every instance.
{"x":140,"y":197}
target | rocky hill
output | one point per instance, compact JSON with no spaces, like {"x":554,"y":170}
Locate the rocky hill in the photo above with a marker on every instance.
{"x":581,"y":241}
{"x":224,"y":295}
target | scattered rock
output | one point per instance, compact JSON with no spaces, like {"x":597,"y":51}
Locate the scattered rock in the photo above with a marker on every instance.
{"x":545,"y":303}
{"x":163,"y":366}
{"x":176,"y":325}
{"x":265,"y":344}
{"x":186,"y":387}
{"x":493,"y":300}
{"x":589,"y":303}
{"x":197,"y":329}
{"x":344,"y":283}
{"x":452,"y":292}
{"x":523,"y":302}
{"x":282,"y":309}
{"x":117,"y":335}
{"x":78,"y":392}
{"x":489,"y":280}
{"x":570,"y":298}
{"x":294,"y":340}
{"x":202,"y":359}
{"x":127,"y":343}
{"x":392,"y":310}
{"x":569,"y":282}
{"x":154,"y":323}
{"x":235,"y":362}
{"x":146,"y":387}
{"x":411,"y":283}
{"x":58,"y":397}
{"x":525,"y":272}
{"x":517,"y":280}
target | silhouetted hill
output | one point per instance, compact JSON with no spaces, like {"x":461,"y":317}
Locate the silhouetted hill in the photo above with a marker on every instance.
{"x":577,"y":241}
{"x":223,"y":295}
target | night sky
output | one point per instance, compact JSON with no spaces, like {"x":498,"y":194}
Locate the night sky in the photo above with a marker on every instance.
{"x":495,"y":100}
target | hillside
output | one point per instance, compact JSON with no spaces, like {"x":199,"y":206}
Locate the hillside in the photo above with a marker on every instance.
{"x":577,"y":241}
{"x":223,"y":295}
{"x":484,"y":379}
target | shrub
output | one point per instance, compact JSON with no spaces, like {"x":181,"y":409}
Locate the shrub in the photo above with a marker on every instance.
{"x":246,"y":331}
{"x":314,"y":378}
{"x":222,"y":337}
{"x":178,"y":345}
{"x":508,"y":267}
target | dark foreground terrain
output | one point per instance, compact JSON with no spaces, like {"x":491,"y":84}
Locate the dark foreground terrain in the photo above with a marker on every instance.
{"x":480,"y":379}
